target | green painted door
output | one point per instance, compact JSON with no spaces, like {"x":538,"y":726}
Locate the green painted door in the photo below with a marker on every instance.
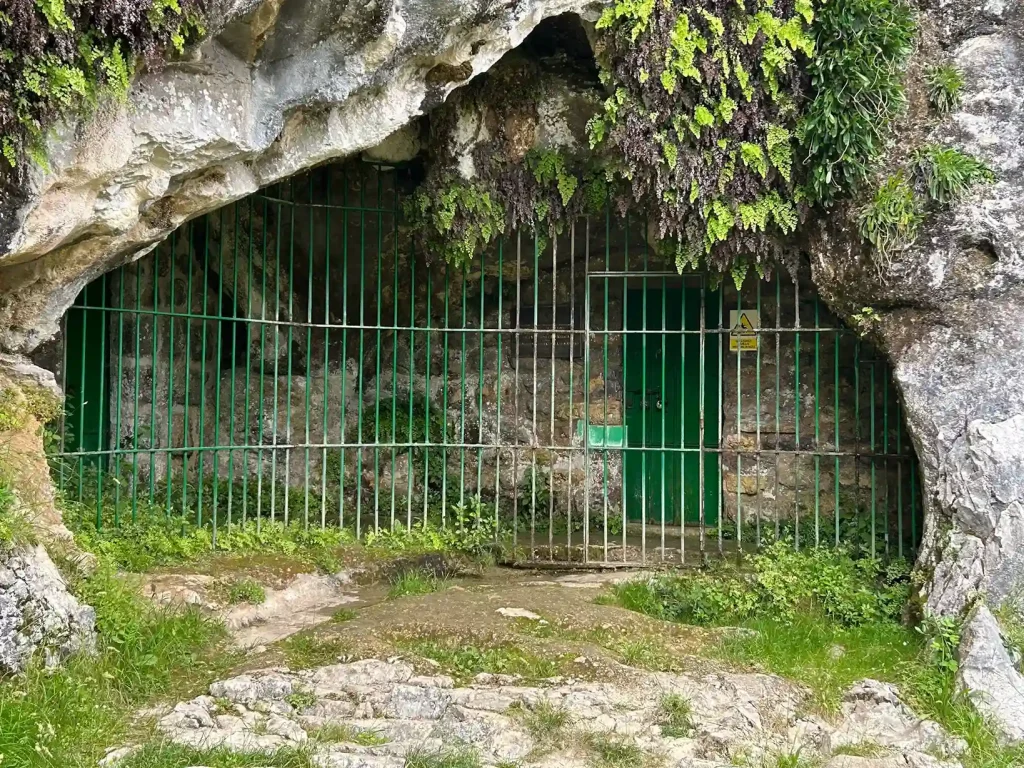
{"x":87,"y":417}
{"x":662,"y":375}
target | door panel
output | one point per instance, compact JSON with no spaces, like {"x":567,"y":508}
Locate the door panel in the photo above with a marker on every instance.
{"x":662,"y":375}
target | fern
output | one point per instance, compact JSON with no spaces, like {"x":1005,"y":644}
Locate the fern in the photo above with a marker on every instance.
{"x":753,"y":157}
{"x":780,"y":153}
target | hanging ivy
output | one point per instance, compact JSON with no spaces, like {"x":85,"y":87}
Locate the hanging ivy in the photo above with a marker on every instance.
{"x":58,"y":58}
{"x":702,"y":121}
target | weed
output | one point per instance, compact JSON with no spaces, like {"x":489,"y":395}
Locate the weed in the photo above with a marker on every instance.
{"x":944,"y":82}
{"x":301,"y":700}
{"x":675,"y":716}
{"x":307,"y":651}
{"x":949,"y":174}
{"x":151,"y":537}
{"x":463,"y":758}
{"x":342,"y":615}
{"x":861,"y":749}
{"x":15,"y":529}
{"x":463,"y":660}
{"x":890,"y":219}
{"x":245,"y":591}
{"x":70,"y":715}
{"x":1010,"y":616}
{"x":645,"y":653}
{"x":346,"y":734}
{"x":613,"y":751}
{"x":544,"y":722}
{"x":170,"y":755}
{"x":415,"y":583}
{"x":782,"y":581}
{"x":790,"y":760}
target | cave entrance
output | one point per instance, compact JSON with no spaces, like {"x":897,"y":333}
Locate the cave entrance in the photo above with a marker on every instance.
{"x":296,"y":357}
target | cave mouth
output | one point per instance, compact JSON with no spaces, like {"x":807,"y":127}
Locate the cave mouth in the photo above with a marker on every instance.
{"x":294,"y":356}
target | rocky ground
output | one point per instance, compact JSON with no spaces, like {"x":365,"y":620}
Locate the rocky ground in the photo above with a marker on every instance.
{"x":579,"y":697}
{"x":374,"y":713}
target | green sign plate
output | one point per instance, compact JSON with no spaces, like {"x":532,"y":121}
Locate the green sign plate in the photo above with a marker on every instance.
{"x":602,"y":436}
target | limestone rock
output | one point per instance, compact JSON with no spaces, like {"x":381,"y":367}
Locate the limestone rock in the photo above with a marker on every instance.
{"x":987,"y":673}
{"x":873,"y":712}
{"x":752,"y":715}
{"x":37,"y":613}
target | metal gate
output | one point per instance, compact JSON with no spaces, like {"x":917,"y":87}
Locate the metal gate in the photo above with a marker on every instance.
{"x":293,"y":357}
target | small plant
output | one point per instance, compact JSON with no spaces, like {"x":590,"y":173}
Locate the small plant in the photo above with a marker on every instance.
{"x":342,"y":615}
{"x":301,"y":700}
{"x":861,"y":749}
{"x":463,"y":660}
{"x":463,"y":758}
{"x":944,"y":82}
{"x":544,"y":722}
{"x":346,"y":734}
{"x":613,"y":751}
{"x":246,"y":591}
{"x":646,"y":653}
{"x":890,"y":220}
{"x":789,"y":760}
{"x":412,"y":583}
{"x":865,"y":320}
{"x":675,"y":716}
{"x":307,"y":651}
{"x":948,"y":174}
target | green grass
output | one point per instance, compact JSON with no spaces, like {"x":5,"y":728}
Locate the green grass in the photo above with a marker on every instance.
{"x":306,"y":651}
{"x":949,"y":174}
{"x":169,"y":755}
{"x":463,"y":758}
{"x":69,"y":717}
{"x":675,"y":716}
{"x":861,"y":749}
{"x":544,"y":722}
{"x":412,"y":583}
{"x":944,"y":82}
{"x":245,"y":591}
{"x":610,"y":751}
{"x":645,"y":653}
{"x":346,"y":734}
{"x":806,"y":649}
{"x":890,"y":219}
{"x":342,"y":615}
{"x":463,"y":659}
{"x":301,"y":700}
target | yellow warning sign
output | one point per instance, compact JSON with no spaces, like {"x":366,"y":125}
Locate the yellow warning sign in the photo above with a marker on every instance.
{"x":743,"y":325}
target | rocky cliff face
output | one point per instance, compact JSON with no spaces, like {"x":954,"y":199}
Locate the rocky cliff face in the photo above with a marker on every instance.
{"x":287,"y":84}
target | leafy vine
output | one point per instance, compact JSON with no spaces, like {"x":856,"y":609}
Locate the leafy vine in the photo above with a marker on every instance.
{"x":59,"y":57}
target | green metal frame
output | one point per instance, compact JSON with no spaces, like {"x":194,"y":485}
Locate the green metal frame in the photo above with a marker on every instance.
{"x":292,"y":358}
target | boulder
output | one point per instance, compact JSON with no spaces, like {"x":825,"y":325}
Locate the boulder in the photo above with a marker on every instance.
{"x":988,"y":675}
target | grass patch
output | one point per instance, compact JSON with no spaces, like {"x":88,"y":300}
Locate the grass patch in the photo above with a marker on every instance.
{"x":610,"y":751}
{"x":645,"y":653}
{"x":463,"y":758}
{"x":949,"y":174}
{"x":301,"y":700}
{"x":307,"y":651}
{"x":544,"y":722}
{"x":151,"y":538}
{"x":861,"y":749}
{"x":675,"y":716}
{"x":342,"y":615}
{"x":412,"y":583}
{"x":944,"y":82}
{"x":245,"y":591}
{"x":345,"y":734}
{"x":464,"y":660}
{"x":170,"y":755}
{"x":71,"y":715}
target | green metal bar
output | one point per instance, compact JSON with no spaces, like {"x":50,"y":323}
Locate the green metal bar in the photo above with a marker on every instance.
{"x":170,"y":369}
{"x":376,"y":394}
{"x":309,"y":349}
{"x":817,"y":425}
{"x":119,"y":384}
